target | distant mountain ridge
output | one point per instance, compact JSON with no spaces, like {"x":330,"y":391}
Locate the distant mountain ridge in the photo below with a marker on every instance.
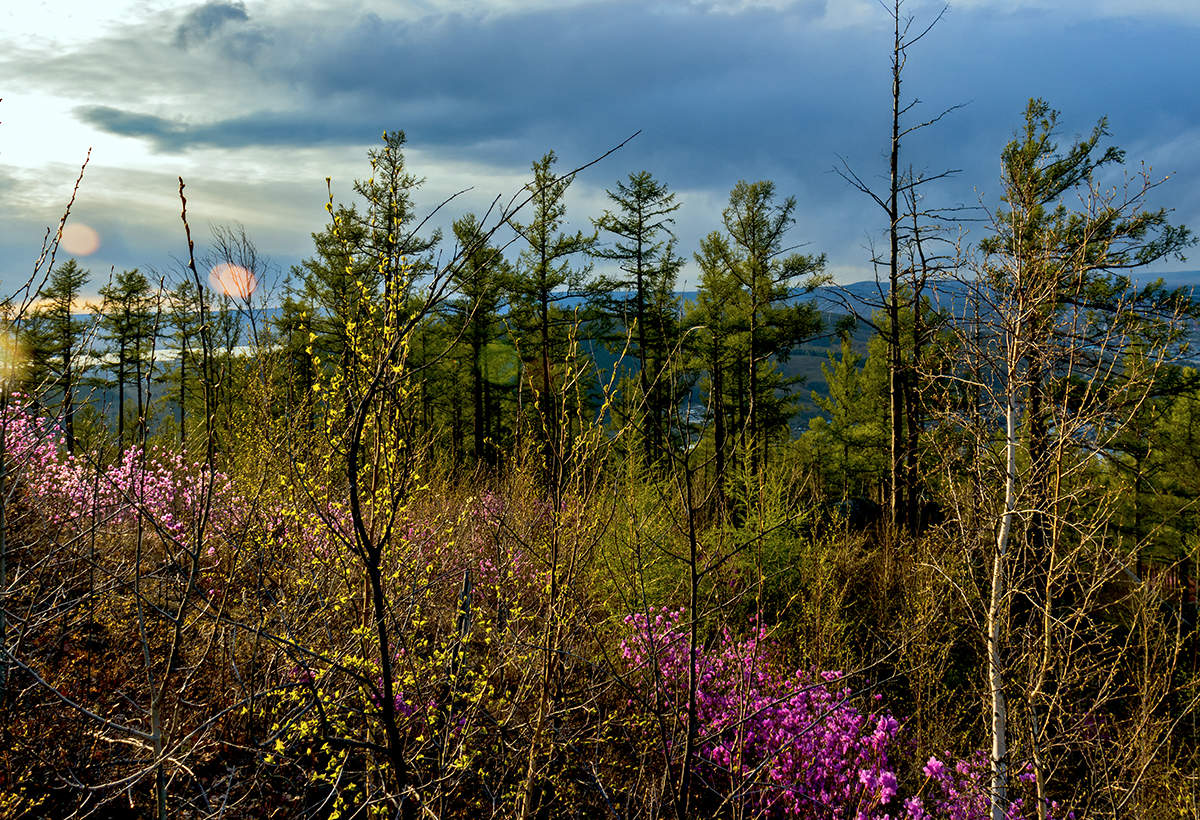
{"x":865,"y":296}
{"x":860,"y":298}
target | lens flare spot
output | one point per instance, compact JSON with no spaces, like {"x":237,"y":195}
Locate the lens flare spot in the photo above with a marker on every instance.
{"x":12,"y":359}
{"x":79,"y":239}
{"x":232,"y":280}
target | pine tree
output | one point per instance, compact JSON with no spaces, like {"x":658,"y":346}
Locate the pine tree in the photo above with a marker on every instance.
{"x":1073,"y":263}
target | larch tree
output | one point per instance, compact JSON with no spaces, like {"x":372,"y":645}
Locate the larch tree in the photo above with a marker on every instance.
{"x":545,"y":279}
{"x":127,"y":322}
{"x":389,"y":236}
{"x":365,"y":257}
{"x":712,"y":321}
{"x":292,"y":331}
{"x":846,"y":442}
{"x":769,"y":276}
{"x":57,"y":337}
{"x":184,"y":315}
{"x":643,"y":247}
{"x":481,"y":280}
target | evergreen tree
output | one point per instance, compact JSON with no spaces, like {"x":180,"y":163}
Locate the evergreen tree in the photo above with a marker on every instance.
{"x":184,"y":314}
{"x":292,"y":331}
{"x":545,"y":279}
{"x":847,"y":444}
{"x":340,"y":284}
{"x":127,"y":322}
{"x":1071,"y":263}
{"x":56,"y":337}
{"x":644,"y":249}
{"x":389,"y":240}
{"x":365,"y":262}
{"x":1155,"y":460}
{"x":480,"y":280}
{"x":714,"y":319}
{"x":759,"y":279}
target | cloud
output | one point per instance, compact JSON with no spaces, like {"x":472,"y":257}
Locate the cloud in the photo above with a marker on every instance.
{"x":511,"y":85}
{"x":203,"y":21}
{"x":257,"y":129}
{"x":161,"y":131}
{"x":1183,"y":10}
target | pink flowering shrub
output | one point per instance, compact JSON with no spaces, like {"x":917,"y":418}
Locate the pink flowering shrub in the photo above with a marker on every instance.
{"x":168,"y":492}
{"x":960,"y":792}
{"x":793,"y":743}
{"x":66,"y":489}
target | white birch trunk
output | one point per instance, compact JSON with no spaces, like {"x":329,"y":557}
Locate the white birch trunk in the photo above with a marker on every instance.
{"x":999,"y":785}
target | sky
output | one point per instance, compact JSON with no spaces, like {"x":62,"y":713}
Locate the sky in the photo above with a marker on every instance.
{"x":255,"y":103}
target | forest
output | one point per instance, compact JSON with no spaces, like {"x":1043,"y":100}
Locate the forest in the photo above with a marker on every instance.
{"x":497,"y":522}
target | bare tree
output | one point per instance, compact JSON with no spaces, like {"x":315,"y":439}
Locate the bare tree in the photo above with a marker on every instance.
{"x":904,"y":282}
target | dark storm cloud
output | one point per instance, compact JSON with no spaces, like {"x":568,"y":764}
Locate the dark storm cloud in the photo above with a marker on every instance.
{"x":202,"y":22}
{"x":255,"y":129}
{"x":511,"y":86}
{"x":573,"y":77}
{"x":160,"y":131}
{"x":763,"y":90}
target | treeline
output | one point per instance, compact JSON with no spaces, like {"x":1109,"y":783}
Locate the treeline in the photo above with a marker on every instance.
{"x":522,"y":316}
{"x":496,"y":523}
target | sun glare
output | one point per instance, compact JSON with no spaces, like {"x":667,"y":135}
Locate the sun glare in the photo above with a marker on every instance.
{"x":232,"y":280}
{"x":12,"y":359}
{"x":79,"y":239}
